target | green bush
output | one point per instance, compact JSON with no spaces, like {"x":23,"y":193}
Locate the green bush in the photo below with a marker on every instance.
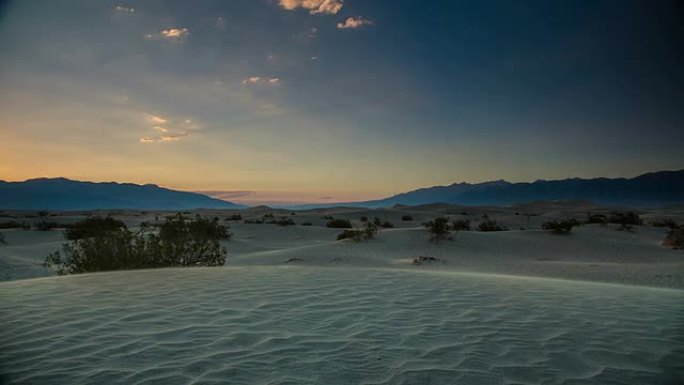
{"x":179,"y":242}
{"x":597,"y":218}
{"x":366,"y":233}
{"x":339,"y":223}
{"x":284,"y":221}
{"x":439,"y":228}
{"x":461,"y":225}
{"x":488,"y":224}
{"x":92,"y":227}
{"x":15,"y":225}
{"x":627,"y":218}
{"x":560,"y":227}
{"x":45,"y":225}
{"x":675,"y":238}
{"x":668,"y":222}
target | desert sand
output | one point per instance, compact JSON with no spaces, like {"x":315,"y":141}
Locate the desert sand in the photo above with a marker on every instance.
{"x":295,"y":306}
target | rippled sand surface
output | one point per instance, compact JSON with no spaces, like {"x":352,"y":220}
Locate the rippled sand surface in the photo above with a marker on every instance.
{"x":299,"y":325}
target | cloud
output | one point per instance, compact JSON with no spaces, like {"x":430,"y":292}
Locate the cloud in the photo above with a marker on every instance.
{"x":353,"y":23}
{"x":230,"y":194}
{"x":122,"y":9}
{"x":156,"y":119}
{"x":254,"y":80}
{"x":172,"y":34}
{"x":168,"y":130}
{"x":329,"y":7}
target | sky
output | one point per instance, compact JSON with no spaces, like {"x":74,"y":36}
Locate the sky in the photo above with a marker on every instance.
{"x":262,"y":101}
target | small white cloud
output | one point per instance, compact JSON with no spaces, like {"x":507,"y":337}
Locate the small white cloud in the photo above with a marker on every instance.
{"x":175,"y":33}
{"x":122,"y":9}
{"x":160,"y":129}
{"x":156,"y":119}
{"x":329,"y":7}
{"x":274,"y":81}
{"x":147,"y":140}
{"x":252,"y":80}
{"x":172,"y":34}
{"x":354,"y":22}
{"x":187,"y":121}
{"x":314,"y":57}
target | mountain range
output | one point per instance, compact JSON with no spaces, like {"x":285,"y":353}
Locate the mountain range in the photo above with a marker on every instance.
{"x":65,"y":194}
{"x":654,"y":189}
{"x":651,"y":189}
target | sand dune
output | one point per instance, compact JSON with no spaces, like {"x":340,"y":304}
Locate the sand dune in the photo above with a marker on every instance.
{"x":300,"y":325}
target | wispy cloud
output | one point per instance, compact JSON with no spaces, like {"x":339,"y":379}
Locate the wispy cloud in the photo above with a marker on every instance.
{"x":329,"y":7}
{"x":122,"y":9}
{"x":353,"y":23}
{"x":168,"y":130}
{"x":253,"y":80}
{"x":156,"y":119}
{"x":172,"y":34}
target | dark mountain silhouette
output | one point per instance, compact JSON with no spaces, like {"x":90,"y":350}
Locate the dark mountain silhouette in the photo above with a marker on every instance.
{"x":652,"y":189}
{"x":65,"y":194}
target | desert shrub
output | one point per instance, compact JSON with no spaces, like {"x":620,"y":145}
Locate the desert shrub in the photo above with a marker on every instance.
{"x":363,"y":218}
{"x":386,"y":225}
{"x":625,"y":227}
{"x":93,"y":226}
{"x":406,"y":218}
{"x":284,"y":221}
{"x":560,"y":227}
{"x":268,"y":216}
{"x":179,"y":242}
{"x":328,"y":217}
{"x":44,"y":225}
{"x":668,"y":222}
{"x":178,"y":227}
{"x":306,"y":224}
{"x":253,"y":221}
{"x":675,"y":238}
{"x":235,"y":217}
{"x":461,"y":225}
{"x":421,"y":260}
{"x":488,"y":224}
{"x":628,"y":218}
{"x":597,"y":218}
{"x":368,"y":232}
{"x":15,"y":225}
{"x":339,"y":223}
{"x":439,"y":228}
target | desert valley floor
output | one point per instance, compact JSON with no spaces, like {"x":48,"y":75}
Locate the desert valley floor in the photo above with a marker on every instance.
{"x":295,"y":306}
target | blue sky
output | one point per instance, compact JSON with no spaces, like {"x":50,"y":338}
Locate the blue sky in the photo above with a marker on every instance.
{"x":301,"y":100}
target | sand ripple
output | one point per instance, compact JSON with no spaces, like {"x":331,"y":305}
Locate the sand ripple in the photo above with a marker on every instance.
{"x":297,"y":325}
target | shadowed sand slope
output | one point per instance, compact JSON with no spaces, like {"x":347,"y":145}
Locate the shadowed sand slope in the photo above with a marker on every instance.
{"x":308,"y":325}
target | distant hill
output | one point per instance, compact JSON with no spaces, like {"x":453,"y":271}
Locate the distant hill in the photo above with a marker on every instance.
{"x":65,"y":194}
{"x":653,"y":189}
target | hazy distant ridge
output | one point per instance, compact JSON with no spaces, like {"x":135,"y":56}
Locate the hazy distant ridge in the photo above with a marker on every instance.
{"x":651,"y":189}
{"x":65,"y":194}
